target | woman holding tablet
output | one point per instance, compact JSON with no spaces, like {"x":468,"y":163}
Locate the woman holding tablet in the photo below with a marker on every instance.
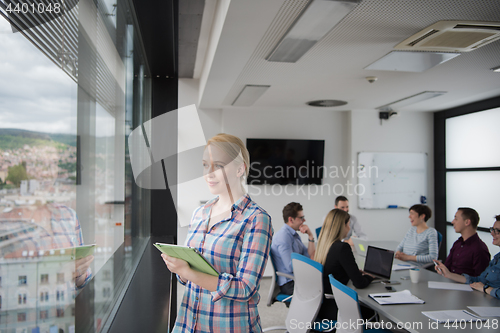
{"x":337,"y":259}
{"x":234,"y":234}
{"x":489,"y":280}
{"x":421,"y":241}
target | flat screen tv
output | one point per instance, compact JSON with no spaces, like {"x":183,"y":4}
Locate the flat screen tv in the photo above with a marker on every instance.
{"x":277,"y":161}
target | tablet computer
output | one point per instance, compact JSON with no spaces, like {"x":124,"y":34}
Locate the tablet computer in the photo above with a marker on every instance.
{"x":84,"y":251}
{"x":190,"y":254}
{"x":71,"y":253}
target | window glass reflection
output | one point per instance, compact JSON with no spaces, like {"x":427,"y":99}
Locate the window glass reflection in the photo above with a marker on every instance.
{"x":476,"y":189}
{"x":477,"y":135}
{"x":72,"y":221}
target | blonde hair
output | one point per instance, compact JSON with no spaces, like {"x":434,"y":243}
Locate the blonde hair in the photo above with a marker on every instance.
{"x":331,"y":232}
{"x":234,"y":148}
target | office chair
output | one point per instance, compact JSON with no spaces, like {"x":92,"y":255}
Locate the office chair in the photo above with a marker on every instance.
{"x":307,"y":294}
{"x":440,"y":239}
{"x":430,"y":266}
{"x":348,"y":305}
{"x":275,"y":294}
{"x":318,"y":231}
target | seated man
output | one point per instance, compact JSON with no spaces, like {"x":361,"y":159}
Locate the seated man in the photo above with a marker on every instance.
{"x":469,"y":254}
{"x":287,"y":240}
{"x":489,"y":280}
{"x":342,"y":202}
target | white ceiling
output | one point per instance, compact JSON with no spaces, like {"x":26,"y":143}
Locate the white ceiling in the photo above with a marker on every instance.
{"x":333,"y":68}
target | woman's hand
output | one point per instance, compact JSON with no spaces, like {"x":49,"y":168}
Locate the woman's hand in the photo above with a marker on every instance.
{"x":477,"y":286}
{"x":365,"y":273}
{"x":186,"y":273}
{"x":81,"y":267}
{"x":175,"y":265}
{"x":401,"y":256}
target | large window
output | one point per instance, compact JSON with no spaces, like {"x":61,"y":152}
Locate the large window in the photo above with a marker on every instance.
{"x":470,"y":172}
{"x":72,"y":89}
{"x":471,"y":140}
{"x":472,"y":146}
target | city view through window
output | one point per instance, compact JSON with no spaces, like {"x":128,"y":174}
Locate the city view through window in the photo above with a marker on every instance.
{"x":66,"y":189}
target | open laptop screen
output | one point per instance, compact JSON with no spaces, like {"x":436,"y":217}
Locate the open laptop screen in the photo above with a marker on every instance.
{"x":379,"y":262}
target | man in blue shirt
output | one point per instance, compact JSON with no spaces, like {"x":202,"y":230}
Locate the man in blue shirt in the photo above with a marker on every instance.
{"x":287,"y":240}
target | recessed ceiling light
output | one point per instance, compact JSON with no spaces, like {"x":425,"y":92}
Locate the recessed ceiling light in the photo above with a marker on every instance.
{"x":399,"y":104}
{"x":410,"y":61}
{"x":496,"y":69}
{"x":325,"y":103}
{"x":249,"y":94}
{"x":318,"y":18}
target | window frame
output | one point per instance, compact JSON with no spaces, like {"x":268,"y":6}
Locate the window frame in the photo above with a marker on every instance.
{"x":440,"y":169}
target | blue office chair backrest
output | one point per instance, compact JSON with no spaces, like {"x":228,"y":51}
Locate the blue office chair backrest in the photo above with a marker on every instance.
{"x":308,"y":261}
{"x":307,"y":293}
{"x":343,"y":288}
{"x":440,"y":239}
{"x":318,"y":231}
{"x":349,"y":312}
{"x":347,"y":303}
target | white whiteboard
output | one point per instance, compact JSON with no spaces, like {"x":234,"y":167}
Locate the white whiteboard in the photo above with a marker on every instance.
{"x":391,"y":180}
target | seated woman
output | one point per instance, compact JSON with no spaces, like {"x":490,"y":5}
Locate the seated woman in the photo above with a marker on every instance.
{"x":337,"y":259}
{"x":421,"y":241}
{"x":489,"y":280}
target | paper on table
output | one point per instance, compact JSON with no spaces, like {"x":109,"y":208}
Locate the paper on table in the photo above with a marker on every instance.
{"x":452,"y":316}
{"x":400,"y":267}
{"x":400,"y":297}
{"x":486,"y":311}
{"x":449,"y":286}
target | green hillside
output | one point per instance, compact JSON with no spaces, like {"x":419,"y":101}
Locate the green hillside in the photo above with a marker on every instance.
{"x":11,"y":138}
{"x":67,"y":139}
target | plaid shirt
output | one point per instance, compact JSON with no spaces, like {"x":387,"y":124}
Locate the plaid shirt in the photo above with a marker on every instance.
{"x":64,"y":231}
{"x":238,"y":247}
{"x":67,"y":232}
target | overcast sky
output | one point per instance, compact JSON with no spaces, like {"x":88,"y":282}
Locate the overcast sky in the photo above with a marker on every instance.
{"x":35,"y":94}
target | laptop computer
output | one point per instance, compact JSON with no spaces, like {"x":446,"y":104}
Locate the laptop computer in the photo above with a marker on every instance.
{"x":379,"y":262}
{"x":360,"y":246}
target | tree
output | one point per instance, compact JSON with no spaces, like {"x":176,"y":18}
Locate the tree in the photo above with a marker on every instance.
{"x":17,"y":173}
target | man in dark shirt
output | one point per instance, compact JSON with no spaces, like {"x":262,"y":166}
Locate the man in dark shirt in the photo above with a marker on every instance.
{"x":469,"y":254}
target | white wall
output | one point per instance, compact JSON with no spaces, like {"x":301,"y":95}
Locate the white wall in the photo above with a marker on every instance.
{"x":409,"y":132}
{"x":190,"y":193}
{"x":298,"y":124}
{"x":345,"y":134}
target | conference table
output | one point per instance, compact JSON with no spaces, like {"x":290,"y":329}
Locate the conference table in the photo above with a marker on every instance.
{"x":409,"y":316}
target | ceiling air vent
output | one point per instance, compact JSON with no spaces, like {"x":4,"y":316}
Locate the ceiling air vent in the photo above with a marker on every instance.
{"x":325,"y":103}
{"x":452,"y":36}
